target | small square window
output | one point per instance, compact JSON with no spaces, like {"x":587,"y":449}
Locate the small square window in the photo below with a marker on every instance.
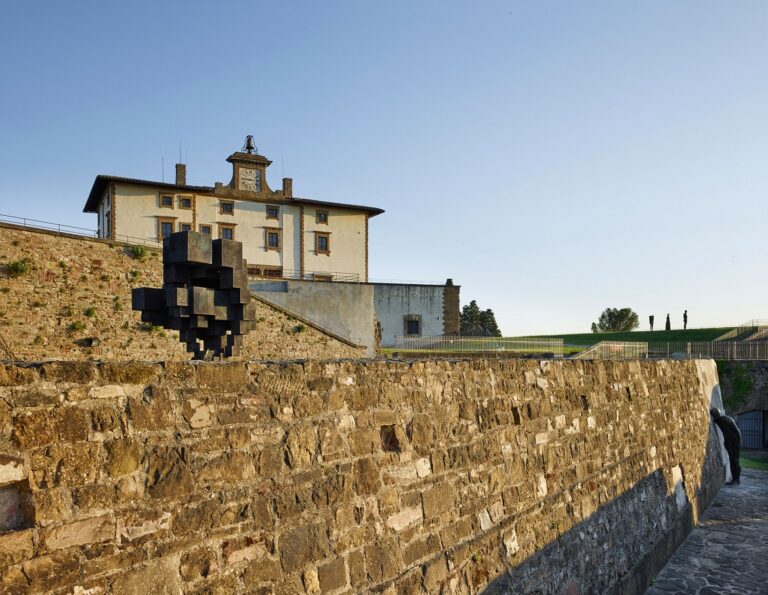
{"x":323,"y":243}
{"x":272,"y":238}
{"x":413,"y":327}
{"x":186,"y":227}
{"x":185,"y":202}
{"x":273,"y":212}
{"x":206,"y":229}
{"x":322,"y":217}
{"x":166,"y":201}
{"x":227,"y":207}
{"x":227,"y":232}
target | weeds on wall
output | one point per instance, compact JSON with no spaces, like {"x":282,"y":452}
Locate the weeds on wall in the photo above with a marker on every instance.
{"x":76,"y":327}
{"x":19,"y":268}
{"x":740,"y":379}
{"x":137,"y":252}
{"x":90,"y":312}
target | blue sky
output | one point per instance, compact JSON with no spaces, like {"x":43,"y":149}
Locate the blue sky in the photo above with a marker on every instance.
{"x":554,"y":158}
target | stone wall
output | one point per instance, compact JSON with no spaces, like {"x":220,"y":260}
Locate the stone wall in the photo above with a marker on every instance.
{"x":75,"y":303}
{"x":350,"y":476}
{"x":744,"y":385}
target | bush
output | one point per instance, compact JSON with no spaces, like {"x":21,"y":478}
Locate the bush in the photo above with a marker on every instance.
{"x":67,"y":311}
{"x":90,"y":311}
{"x":299,"y":328}
{"x":76,"y":327}
{"x":133,"y":275}
{"x":137,"y":252}
{"x":17,"y":268}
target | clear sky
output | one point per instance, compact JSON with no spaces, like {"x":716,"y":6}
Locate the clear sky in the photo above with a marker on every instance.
{"x":553,"y":158}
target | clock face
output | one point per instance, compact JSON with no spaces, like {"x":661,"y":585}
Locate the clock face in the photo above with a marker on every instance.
{"x":250,"y":179}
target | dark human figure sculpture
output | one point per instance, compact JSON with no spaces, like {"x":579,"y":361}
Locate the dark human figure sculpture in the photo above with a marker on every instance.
{"x":732,"y":439}
{"x":668,"y":326}
{"x":650,"y":320}
{"x":204,"y":296}
{"x":685,"y":320}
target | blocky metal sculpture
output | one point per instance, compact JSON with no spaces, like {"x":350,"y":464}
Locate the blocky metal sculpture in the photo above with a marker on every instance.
{"x":205,"y":294}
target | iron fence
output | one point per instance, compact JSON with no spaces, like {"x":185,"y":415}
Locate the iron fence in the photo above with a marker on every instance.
{"x":722,"y":350}
{"x":745,"y":330}
{"x":452,"y":343}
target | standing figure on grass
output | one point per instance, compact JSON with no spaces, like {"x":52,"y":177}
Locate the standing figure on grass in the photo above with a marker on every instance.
{"x":668,"y":326}
{"x":685,"y":320}
{"x":650,"y":320}
{"x":732,"y":440}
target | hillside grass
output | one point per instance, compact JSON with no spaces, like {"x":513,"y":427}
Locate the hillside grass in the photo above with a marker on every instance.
{"x":587,"y":339}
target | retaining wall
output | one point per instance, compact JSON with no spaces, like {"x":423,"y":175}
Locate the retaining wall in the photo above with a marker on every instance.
{"x":350,"y":476}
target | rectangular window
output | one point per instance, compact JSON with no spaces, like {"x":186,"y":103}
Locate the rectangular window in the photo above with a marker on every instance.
{"x":226,"y":207}
{"x":321,"y":277}
{"x":165,"y":227}
{"x":322,"y":217}
{"x":166,"y":201}
{"x":273,"y":212}
{"x":186,"y":227}
{"x":272,"y":238}
{"x":185,"y":202}
{"x":322,"y":243}
{"x":206,"y":229}
{"x":107,"y":224}
{"x":226,"y":232}
{"x":413,"y":324}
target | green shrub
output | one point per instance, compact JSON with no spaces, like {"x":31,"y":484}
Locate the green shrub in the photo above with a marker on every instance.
{"x":38,"y":340}
{"x":76,"y":326}
{"x":17,"y":268}
{"x":116,"y":306}
{"x":90,"y":311}
{"x":133,"y":275}
{"x":104,"y":277}
{"x":67,"y":311}
{"x":36,"y":304}
{"x":299,"y":328}
{"x":137,"y":252}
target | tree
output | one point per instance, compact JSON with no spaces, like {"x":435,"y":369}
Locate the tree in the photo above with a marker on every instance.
{"x":613,"y":319}
{"x":478,"y":323}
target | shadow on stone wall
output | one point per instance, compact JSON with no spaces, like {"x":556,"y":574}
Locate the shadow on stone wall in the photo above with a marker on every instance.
{"x":624,"y":544}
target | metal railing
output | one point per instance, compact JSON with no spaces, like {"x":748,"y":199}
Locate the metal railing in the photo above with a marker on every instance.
{"x":750,"y":327}
{"x":614,"y":350}
{"x":293,"y":275}
{"x":61,"y":228}
{"x":458,"y":344}
{"x":761,"y":335}
{"x":722,"y":350}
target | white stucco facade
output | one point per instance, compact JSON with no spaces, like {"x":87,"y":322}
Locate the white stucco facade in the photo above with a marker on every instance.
{"x":281,"y":235}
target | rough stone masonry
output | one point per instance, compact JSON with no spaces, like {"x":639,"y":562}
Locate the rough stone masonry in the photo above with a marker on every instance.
{"x":350,"y":476}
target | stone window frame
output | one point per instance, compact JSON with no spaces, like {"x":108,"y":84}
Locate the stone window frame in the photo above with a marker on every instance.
{"x":322,"y":277}
{"x":203,"y":226}
{"x":183,"y":225}
{"x":327,"y":236}
{"x":163,"y":195}
{"x":411,"y":318}
{"x":226,"y":202}
{"x":276,"y":214}
{"x":160,"y":221}
{"x":321,"y":217}
{"x":223,"y":226}
{"x":275,"y":230}
{"x":181,"y":202}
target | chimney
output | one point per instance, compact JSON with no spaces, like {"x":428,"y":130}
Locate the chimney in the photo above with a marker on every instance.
{"x":181,"y":174}
{"x":288,"y":187}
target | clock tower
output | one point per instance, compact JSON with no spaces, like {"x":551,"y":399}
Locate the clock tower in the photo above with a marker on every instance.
{"x":249,"y":170}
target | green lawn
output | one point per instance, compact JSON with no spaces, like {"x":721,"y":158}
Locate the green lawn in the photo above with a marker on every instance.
{"x":754,"y":459}
{"x":694,"y":334}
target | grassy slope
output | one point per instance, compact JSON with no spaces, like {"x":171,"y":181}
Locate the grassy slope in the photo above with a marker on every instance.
{"x":695,"y":334}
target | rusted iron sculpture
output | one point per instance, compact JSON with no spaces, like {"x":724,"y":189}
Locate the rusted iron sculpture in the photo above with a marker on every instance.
{"x":205,"y":294}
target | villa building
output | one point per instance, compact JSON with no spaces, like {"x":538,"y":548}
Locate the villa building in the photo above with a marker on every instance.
{"x":282,"y":235}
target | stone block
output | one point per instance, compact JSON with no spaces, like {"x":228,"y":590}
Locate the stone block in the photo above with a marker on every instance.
{"x":437,"y":500}
{"x":382,"y":560}
{"x":168,"y":472}
{"x":302,"y":545}
{"x":188,"y":248}
{"x":197,"y":564}
{"x":332,"y":575}
{"x":402,"y":520}
{"x":17,"y":546}
{"x":94,"y":530}
{"x":366,"y":474}
{"x":11,"y":470}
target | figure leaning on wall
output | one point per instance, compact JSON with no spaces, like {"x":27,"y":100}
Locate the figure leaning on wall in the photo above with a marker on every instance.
{"x":732,"y":439}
